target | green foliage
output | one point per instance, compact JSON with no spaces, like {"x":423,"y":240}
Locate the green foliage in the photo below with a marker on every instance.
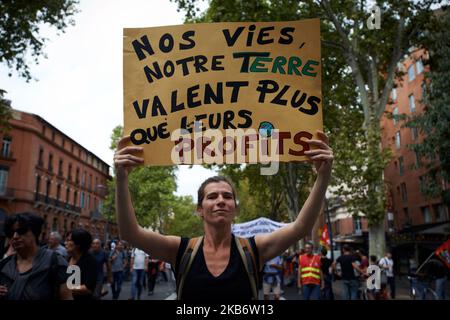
{"x":434,"y":122}
{"x":184,"y":221}
{"x":359,"y":68}
{"x":152,"y":192}
{"x":116,"y":134}
{"x":5,"y":113}
{"x":20,"y":25}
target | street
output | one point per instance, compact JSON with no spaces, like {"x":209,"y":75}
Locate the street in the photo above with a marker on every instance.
{"x":166,"y":291}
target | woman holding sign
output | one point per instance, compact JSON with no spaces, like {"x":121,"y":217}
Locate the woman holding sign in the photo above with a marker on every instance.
{"x":218,"y":266}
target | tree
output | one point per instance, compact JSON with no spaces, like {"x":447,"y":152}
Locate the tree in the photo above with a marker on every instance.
{"x":20,"y":25}
{"x":369,"y":57}
{"x":434,"y":122}
{"x":156,"y":206}
{"x":372,"y":56}
{"x":184,"y":221}
{"x":19,"y":35}
{"x":5,"y":113}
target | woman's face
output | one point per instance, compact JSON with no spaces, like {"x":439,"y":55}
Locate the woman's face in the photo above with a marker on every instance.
{"x":70,"y":245}
{"x":218,"y":205}
{"x":22,"y":237}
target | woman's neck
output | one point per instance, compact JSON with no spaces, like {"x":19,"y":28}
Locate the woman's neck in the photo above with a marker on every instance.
{"x":27,"y":253}
{"x":217,"y":237}
{"x":76,"y":255}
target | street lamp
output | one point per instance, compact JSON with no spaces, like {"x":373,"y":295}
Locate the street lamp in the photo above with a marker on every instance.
{"x":330,"y":234}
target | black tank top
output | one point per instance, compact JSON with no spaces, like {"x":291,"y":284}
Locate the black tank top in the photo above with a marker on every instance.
{"x":232,"y":285}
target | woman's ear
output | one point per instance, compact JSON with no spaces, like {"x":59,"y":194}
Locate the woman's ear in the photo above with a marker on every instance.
{"x":200,"y":212}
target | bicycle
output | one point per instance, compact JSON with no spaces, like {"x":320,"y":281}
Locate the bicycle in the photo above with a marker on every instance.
{"x":420,"y":288}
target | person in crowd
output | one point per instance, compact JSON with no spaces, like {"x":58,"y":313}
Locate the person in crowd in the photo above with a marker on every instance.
{"x":218,"y":271}
{"x":31,"y":272}
{"x":54,"y":243}
{"x":78,"y":242}
{"x":118,"y":259}
{"x":272,"y":279}
{"x":387,"y":267}
{"x":103,"y":263}
{"x":310,"y":274}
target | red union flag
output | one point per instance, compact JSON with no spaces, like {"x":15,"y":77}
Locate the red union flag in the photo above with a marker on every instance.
{"x":443,"y":252}
{"x":325,"y":238}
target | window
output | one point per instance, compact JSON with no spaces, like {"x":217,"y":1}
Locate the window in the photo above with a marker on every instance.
{"x":6,"y":147}
{"x":47,"y":190}
{"x":55,"y":224}
{"x":77,"y":175}
{"x":83,"y":179}
{"x":414,"y":133}
{"x":424,"y":89}
{"x":90,"y":182}
{"x":60,"y":167}
{"x":89,"y":201}
{"x":3,"y":179}
{"x":41,"y":155}
{"x":69,"y":175}
{"x":406,"y":213}
{"x":38,"y":184}
{"x":82,"y":200}
{"x":394,"y":94}
{"x":58,"y":192}
{"x":67,"y":195}
{"x":419,"y":66}
{"x":357,"y":226}
{"x":441,"y":213}
{"x":395,"y":115}
{"x":75,"y":198}
{"x":426,"y":215}
{"x":71,"y":148}
{"x":53,"y":135}
{"x":418,"y":162}
{"x":411,"y":74}
{"x":401,"y":166}
{"x":397,"y":140}
{"x":404,"y":192}
{"x":50,"y":162}
{"x":412,"y":106}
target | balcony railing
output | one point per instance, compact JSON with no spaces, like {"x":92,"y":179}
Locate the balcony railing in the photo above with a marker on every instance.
{"x":6,"y":193}
{"x":57,"y":203}
{"x":6,"y":155}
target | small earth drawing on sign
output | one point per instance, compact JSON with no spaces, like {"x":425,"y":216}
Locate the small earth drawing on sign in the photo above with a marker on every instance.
{"x":265,"y":128}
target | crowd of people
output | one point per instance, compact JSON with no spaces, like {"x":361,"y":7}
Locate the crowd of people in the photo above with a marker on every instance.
{"x":314,"y":274}
{"x":32,"y":270}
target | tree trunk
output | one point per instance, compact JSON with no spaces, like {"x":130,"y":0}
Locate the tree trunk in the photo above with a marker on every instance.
{"x":377,"y":240}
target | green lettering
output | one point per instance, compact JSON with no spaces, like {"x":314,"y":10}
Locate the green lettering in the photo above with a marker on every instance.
{"x":294,"y":64}
{"x":257,"y":65}
{"x":278,"y":64}
{"x":308,"y":67}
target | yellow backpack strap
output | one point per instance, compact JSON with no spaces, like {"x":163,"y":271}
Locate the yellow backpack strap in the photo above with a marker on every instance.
{"x":186,"y":262}
{"x":248,"y":258}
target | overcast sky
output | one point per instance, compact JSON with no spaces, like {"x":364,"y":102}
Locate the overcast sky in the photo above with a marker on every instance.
{"x":79,"y":87}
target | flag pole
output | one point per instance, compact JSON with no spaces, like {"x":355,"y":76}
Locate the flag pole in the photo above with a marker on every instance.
{"x":330,"y":234}
{"x":432,"y":254}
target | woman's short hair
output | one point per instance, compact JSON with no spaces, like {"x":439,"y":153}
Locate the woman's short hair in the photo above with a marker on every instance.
{"x":28,"y":220}
{"x":82,"y":238}
{"x":215,"y":179}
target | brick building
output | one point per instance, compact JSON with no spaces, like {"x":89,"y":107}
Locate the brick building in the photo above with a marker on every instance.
{"x":417,"y":224}
{"x":45,"y":171}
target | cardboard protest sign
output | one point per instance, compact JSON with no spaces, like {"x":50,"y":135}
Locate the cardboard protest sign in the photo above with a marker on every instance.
{"x":223,"y":92}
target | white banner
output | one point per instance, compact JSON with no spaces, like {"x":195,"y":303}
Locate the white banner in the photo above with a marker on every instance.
{"x":254,"y":227}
